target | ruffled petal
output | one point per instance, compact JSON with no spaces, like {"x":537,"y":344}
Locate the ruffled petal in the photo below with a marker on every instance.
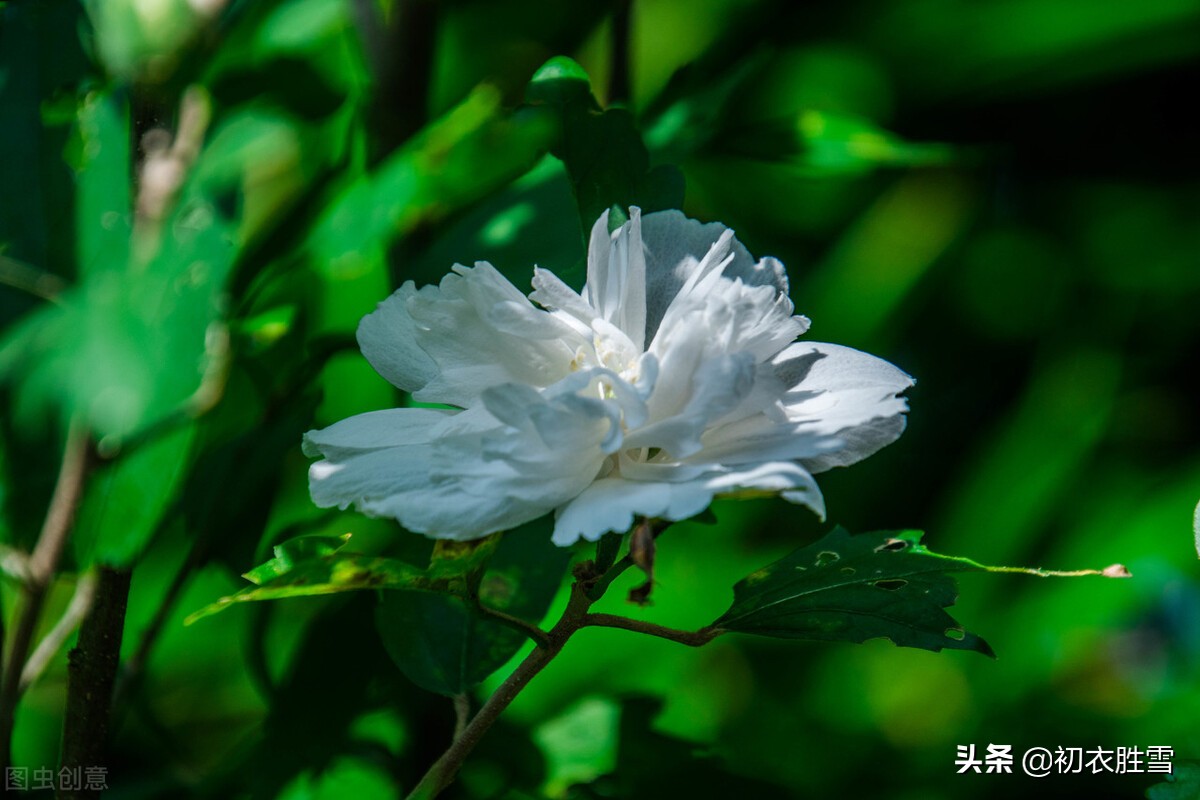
{"x":717,"y":386}
{"x":448,"y":343}
{"x":842,"y":405}
{"x":374,"y":430}
{"x":518,"y":456}
{"x":612,"y":504}
{"x":616,"y":276}
{"x":681,"y":252}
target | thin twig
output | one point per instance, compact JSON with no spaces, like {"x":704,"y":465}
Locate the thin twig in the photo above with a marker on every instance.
{"x":539,"y":636}
{"x":599,"y":586}
{"x":29,"y":278}
{"x":77,"y":609}
{"x":163,"y":170}
{"x":588,"y":587}
{"x":60,"y":517}
{"x":690,"y":638}
{"x":440,"y":775}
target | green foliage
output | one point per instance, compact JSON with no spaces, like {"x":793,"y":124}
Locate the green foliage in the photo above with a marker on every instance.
{"x":317,"y":565}
{"x":603,"y":152}
{"x":1000,"y":198}
{"x":134,"y":342}
{"x":475,"y":148}
{"x":854,"y":588}
{"x":446,"y":644}
{"x":127,"y":500}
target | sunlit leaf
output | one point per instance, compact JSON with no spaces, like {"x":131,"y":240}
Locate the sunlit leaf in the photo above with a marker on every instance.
{"x":136,"y":340}
{"x":293,"y":553}
{"x":332,"y":574}
{"x":473,"y":150}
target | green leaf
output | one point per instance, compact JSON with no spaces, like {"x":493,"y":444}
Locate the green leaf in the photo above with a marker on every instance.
{"x":474,"y":149}
{"x":561,"y":80}
{"x":822,"y":143}
{"x":855,"y":588}
{"x":127,"y":498}
{"x":140,"y":337}
{"x":653,"y":764}
{"x":606,"y":160}
{"x":443,"y":645}
{"x":451,"y":558}
{"x":293,"y":553}
{"x":104,"y":202}
{"x":330,"y":574}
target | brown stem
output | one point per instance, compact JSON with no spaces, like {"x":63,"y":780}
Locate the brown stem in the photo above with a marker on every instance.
{"x":60,"y":517}
{"x":440,"y":775}
{"x":690,"y":638}
{"x":462,"y":713}
{"x":539,"y":636}
{"x":91,"y":674}
{"x":589,"y":586}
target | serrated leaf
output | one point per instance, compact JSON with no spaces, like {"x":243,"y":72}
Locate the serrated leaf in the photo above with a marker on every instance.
{"x":855,"y":588}
{"x":445,"y":646}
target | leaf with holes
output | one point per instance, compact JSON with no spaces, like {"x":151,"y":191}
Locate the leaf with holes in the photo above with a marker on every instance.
{"x":855,"y":588}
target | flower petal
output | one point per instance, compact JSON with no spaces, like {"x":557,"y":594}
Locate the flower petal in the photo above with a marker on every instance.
{"x":679,"y":249}
{"x":842,"y":406}
{"x":470,"y":473}
{"x":374,"y":430}
{"x":616,"y":276}
{"x":447,"y":344}
{"x":611,"y":504}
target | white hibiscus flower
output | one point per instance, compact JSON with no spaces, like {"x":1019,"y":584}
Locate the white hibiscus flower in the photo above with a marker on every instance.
{"x":673,"y":377}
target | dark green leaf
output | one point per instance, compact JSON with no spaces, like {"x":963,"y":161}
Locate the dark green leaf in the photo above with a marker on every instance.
{"x":444,"y":645}
{"x":651,"y":764}
{"x":855,"y":588}
{"x":603,"y":152}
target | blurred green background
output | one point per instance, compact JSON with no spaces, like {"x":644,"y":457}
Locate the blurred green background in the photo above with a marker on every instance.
{"x":1000,"y":197}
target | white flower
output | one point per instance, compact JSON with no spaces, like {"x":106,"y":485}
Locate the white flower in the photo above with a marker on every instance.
{"x":673,"y":377}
